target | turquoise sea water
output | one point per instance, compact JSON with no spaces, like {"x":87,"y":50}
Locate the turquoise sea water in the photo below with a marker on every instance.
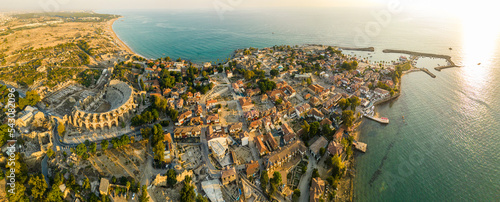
{"x":448,"y":146}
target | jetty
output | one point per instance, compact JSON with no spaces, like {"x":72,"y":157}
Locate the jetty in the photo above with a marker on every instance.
{"x":377,"y":119}
{"x":360,"y":146}
{"x":428,"y":72}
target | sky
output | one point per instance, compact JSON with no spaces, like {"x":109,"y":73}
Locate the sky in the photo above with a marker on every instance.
{"x":455,"y":7}
{"x":64,"y":5}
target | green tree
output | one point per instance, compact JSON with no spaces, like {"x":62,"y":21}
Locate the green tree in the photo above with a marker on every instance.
{"x":348,"y":118}
{"x":315,"y":173}
{"x":55,"y":194}
{"x":50,"y":152}
{"x":4,"y":134}
{"x":249,"y":75}
{"x":158,"y":150}
{"x":308,"y":80}
{"x":171,"y":177}
{"x":104,"y":144}
{"x":354,"y":100}
{"x":337,"y":166}
{"x":187,"y":191}
{"x":86,"y":183}
{"x":93,"y":148}
{"x":200,"y":198}
{"x":144,"y":196}
{"x":81,"y":149}
{"x":37,"y":186}
{"x":296,"y":195}
{"x":274,"y":72}
{"x":61,"y":129}
{"x":322,"y":151}
{"x":276,"y":178}
{"x":264,"y":179}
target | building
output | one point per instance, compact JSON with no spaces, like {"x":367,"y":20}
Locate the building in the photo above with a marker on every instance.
{"x":335,"y":148}
{"x":285,"y":154}
{"x":184,"y":117}
{"x":214,"y":119}
{"x":246,"y":103}
{"x":381,"y":92}
{"x":315,"y":88}
{"x":168,"y":154}
{"x":260,"y":146}
{"x":268,"y":137}
{"x":234,"y":128}
{"x":251,"y":168}
{"x":315,"y":147}
{"x":218,"y":146}
{"x":317,"y":190}
{"x":316,"y":114}
{"x":244,"y":138}
{"x":186,"y":132}
{"x":213,"y":190}
{"x":228,"y":175}
{"x":104,"y":186}
{"x":339,"y":134}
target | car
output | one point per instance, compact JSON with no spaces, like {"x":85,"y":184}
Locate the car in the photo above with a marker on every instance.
{"x":133,"y":196}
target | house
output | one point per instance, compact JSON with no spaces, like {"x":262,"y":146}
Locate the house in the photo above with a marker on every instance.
{"x":314,"y":101}
{"x":251,"y":115}
{"x":236,"y":88}
{"x":179,"y":104}
{"x":252,"y":92}
{"x":234,"y":158}
{"x":339,"y":134}
{"x":229,"y":74}
{"x":315,"y":88}
{"x":326,"y":121}
{"x":246,"y":103}
{"x":184,"y":117}
{"x":104,"y":186}
{"x":268,"y":137}
{"x":228,"y":175}
{"x":307,"y":96}
{"x":251,"y":168}
{"x":244,"y":138}
{"x":364,"y":90}
{"x":212,"y":119}
{"x":186,"y":132}
{"x":210,"y":104}
{"x":254,"y":125}
{"x":301,"y":110}
{"x":168,"y":154}
{"x":276,"y":159}
{"x":335,"y":148}
{"x":195,"y":121}
{"x":381,"y":92}
{"x":315,"y":147}
{"x":263,"y":98}
{"x":234,"y":128}
{"x":317,"y":190}
{"x":198,"y":110}
{"x":316,"y":114}
{"x":260,"y":146}
{"x":218,"y":145}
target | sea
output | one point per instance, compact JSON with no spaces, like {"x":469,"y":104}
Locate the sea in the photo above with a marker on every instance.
{"x":443,"y":139}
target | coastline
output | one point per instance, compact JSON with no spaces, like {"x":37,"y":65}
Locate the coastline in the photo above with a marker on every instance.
{"x":117,"y":39}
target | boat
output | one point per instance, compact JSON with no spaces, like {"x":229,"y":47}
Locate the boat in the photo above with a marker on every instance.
{"x":478,"y":63}
{"x":403,"y":117}
{"x":450,"y":48}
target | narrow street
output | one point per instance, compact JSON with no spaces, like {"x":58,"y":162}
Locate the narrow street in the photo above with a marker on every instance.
{"x":304,"y":181}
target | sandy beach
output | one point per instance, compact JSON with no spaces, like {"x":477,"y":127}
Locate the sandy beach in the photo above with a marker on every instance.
{"x":117,"y":39}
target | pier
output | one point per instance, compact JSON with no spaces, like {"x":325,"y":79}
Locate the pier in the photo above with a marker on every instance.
{"x":360,"y":146}
{"x":380,"y":120}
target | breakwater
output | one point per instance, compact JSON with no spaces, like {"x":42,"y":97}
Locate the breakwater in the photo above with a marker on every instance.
{"x":431,"y":55}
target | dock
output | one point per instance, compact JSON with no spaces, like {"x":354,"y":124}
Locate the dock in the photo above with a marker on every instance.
{"x":360,"y":146}
{"x":431,"y":55}
{"x":380,"y":120}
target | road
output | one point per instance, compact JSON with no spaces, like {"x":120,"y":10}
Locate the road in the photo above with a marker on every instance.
{"x":45,"y":171}
{"x":304,"y":181}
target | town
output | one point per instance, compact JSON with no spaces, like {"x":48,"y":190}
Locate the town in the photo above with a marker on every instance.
{"x":271,"y":124}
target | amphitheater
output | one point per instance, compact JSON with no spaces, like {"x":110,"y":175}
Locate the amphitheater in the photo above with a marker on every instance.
{"x":111,"y":106}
